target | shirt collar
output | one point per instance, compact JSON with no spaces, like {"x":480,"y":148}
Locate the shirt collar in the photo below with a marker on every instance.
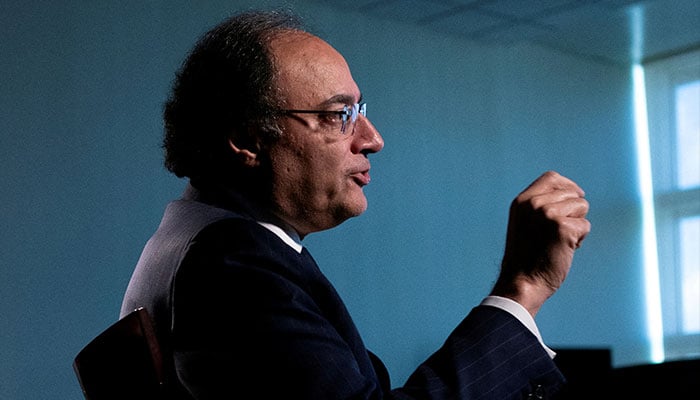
{"x":290,"y":237}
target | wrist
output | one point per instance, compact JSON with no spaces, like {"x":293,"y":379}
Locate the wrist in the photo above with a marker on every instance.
{"x":524,"y":291}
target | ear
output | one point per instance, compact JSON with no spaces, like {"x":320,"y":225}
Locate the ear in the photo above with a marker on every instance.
{"x":247,"y":157}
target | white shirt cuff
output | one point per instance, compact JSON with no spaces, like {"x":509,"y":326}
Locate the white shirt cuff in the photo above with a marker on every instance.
{"x":520,"y":313}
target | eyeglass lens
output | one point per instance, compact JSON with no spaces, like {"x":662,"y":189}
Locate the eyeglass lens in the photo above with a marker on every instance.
{"x":352,"y":111}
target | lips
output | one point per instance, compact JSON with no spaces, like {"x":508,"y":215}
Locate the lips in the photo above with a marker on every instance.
{"x":361,"y":177}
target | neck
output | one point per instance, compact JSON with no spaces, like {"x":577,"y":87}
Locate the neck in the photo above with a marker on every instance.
{"x":245,"y":202}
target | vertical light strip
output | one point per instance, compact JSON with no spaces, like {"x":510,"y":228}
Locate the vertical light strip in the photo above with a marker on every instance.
{"x":655,"y":329}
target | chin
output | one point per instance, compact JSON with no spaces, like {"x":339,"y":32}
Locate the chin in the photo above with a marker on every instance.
{"x":358,"y":209}
{"x":350,"y":210}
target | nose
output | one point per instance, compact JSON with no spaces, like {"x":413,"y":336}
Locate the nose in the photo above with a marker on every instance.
{"x":366,"y":138}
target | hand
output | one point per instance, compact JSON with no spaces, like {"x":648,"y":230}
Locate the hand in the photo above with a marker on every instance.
{"x":547,"y":224}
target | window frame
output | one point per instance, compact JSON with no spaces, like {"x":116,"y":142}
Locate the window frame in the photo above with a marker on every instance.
{"x":671,"y":203}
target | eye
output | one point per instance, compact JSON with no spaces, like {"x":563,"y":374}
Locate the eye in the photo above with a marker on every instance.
{"x":330,"y":117}
{"x":334,"y":117}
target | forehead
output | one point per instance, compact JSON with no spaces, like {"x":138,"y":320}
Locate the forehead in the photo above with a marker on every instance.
{"x":310,"y":71}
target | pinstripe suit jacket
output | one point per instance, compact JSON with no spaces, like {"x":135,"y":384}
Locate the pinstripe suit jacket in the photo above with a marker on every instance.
{"x":240,"y":314}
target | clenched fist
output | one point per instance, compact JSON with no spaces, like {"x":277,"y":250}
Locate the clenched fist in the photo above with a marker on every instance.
{"x":547,"y":223}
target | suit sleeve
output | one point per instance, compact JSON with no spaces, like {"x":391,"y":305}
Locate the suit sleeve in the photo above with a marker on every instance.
{"x":490,"y":355}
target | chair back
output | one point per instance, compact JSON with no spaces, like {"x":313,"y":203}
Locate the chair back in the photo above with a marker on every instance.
{"x":122,"y":362}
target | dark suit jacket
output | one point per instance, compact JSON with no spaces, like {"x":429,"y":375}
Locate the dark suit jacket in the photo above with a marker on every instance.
{"x":240,"y":314}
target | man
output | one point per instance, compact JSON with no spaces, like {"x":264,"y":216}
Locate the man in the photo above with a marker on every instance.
{"x":267,"y":123}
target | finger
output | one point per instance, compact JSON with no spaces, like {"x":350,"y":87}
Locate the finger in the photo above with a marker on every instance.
{"x":574,"y":231}
{"x":572,"y":207}
{"x":575,"y":208}
{"x":554,"y":197}
{"x":550,"y":181}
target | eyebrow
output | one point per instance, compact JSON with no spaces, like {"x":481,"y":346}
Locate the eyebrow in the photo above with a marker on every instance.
{"x":341,"y":99}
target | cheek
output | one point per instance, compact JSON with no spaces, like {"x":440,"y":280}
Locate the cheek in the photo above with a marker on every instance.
{"x":304,"y":177}
{"x":314,"y":173}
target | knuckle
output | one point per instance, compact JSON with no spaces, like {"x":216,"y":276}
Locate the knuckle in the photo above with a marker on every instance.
{"x":550,"y":212}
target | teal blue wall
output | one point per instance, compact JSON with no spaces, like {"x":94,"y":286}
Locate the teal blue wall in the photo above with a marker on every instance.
{"x":466,"y":126}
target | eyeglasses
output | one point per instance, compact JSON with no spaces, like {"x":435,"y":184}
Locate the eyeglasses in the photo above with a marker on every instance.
{"x":347,"y":114}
